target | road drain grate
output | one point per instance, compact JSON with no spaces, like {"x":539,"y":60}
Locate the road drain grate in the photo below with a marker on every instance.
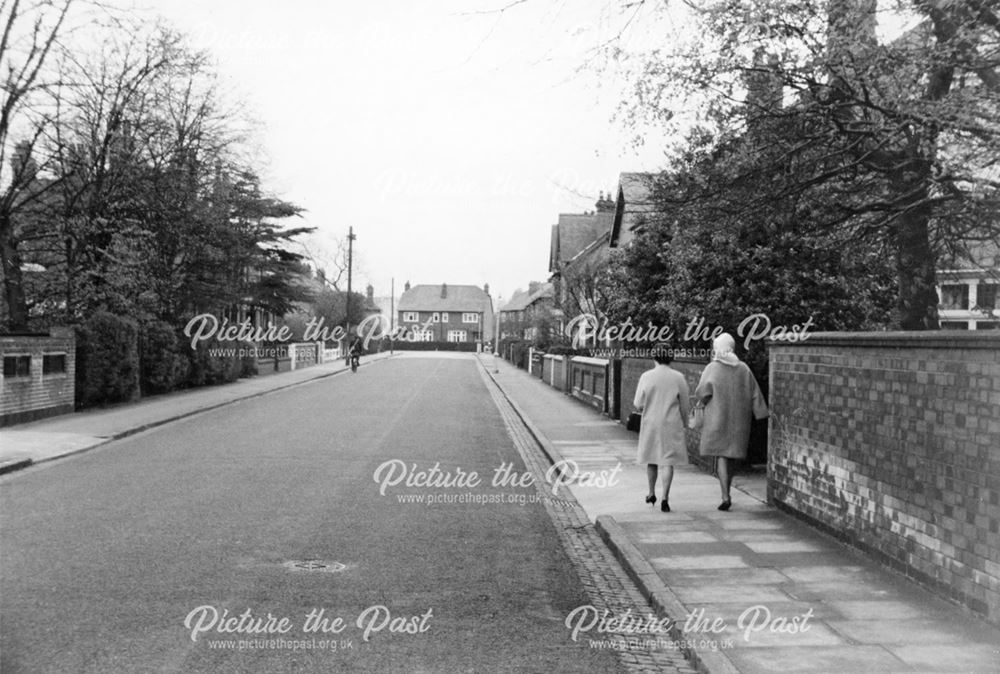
{"x":313,"y":566}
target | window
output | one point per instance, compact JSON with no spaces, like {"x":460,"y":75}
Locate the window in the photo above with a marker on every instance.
{"x":423,"y":336}
{"x":411,"y":317}
{"x":435,"y":317}
{"x":470,"y":318}
{"x":987,"y":325}
{"x":457,"y":335}
{"x":17,"y":366}
{"x":986,"y":296}
{"x":444,"y":317}
{"x":54,"y":363}
{"x":954,"y":325}
{"x":955,"y":296}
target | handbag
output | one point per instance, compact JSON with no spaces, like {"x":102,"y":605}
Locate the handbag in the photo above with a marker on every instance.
{"x":697,"y":418}
{"x":634,"y":421}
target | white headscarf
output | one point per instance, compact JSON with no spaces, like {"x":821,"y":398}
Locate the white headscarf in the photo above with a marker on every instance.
{"x":722,"y":349}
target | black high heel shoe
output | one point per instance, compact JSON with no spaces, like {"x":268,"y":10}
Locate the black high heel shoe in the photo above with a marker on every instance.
{"x":726,"y":505}
{"x":651,"y":498}
{"x":664,"y":506}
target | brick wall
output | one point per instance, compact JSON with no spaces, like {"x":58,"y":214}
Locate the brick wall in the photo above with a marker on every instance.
{"x":632,"y":369}
{"x":588,"y":381}
{"x":37,"y":394}
{"x":891,"y":442}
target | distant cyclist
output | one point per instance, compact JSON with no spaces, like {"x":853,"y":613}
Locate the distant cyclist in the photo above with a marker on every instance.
{"x":354,"y":353}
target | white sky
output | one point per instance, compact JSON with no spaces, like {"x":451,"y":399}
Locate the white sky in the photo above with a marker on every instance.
{"x":450,"y":140}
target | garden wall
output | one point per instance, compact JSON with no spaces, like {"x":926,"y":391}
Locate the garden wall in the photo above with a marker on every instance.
{"x":891,"y":442}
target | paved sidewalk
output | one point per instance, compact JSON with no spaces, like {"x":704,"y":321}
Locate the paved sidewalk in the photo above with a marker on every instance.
{"x":851,"y":614}
{"x":25,"y":444}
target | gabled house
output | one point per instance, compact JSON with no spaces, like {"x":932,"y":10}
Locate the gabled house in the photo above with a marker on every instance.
{"x":446,"y":313}
{"x":572,"y":235}
{"x":523,"y":315}
{"x":634,"y":205}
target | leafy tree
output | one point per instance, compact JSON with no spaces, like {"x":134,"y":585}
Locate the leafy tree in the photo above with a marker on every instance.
{"x":890,"y":142}
{"x":141,"y":203}
{"x":707,"y":255}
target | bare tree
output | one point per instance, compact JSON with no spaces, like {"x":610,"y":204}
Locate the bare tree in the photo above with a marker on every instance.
{"x":30,"y":38}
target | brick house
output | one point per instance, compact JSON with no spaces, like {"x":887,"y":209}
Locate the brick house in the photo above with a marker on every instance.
{"x":521,"y":316}
{"x":578,"y":249}
{"x":446,"y":313}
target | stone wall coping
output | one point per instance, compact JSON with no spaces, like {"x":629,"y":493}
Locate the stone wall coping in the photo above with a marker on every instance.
{"x":587,"y":360}
{"x":678,"y":359}
{"x":929,"y":339}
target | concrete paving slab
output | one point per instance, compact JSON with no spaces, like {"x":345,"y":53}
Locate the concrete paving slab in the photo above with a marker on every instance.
{"x":914,"y":631}
{"x":818,"y":634}
{"x":699,"y":562}
{"x":718,"y":593}
{"x":42,"y":446}
{"x":888,"y":609}
{"x":970,"y":658}
{"x":754,"y":577}
{"x":844,"y":659}
{"x":826,"y":573}
{"x":837,"y":589}
{"x":783,"y":547}
{"x":681,"y":536}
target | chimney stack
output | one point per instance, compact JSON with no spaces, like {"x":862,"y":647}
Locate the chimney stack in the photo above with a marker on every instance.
{"x":765,"y":89}
{"x":486,"y":288}
{"x":21,"y":162}
{"x":370,"y":292}
{"x":444,"y":290}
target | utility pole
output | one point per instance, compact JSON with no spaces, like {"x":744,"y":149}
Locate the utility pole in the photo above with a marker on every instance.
{"x":392,"y":313}
{"x":350,"y":264}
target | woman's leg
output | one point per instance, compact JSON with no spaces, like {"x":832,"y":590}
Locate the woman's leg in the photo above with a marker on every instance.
{"x":651,"y":471}
{"x":668,"y":477}
{"x":725,"y":471}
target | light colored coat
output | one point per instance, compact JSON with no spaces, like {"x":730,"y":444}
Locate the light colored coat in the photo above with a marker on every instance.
{"x":662,"y":397}
{"x":730,"y":395}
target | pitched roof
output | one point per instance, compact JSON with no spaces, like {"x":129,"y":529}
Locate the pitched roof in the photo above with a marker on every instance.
{"x":574,"y":232}
{"x":457,"y":298}
{"x":522,"y":299}
{"x":635,"y":197}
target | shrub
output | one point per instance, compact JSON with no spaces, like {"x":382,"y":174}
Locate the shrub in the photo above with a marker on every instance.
{"x":162,"y":367}
{"x":107,"y":360}
{"x":516,"y":351}
{"x":213,"y":362}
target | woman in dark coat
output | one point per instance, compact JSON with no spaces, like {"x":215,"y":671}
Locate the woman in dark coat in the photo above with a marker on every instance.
{"x":730,"y":395}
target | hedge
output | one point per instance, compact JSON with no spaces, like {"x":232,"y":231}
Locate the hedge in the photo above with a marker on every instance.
{"x":162,"y":367}
{"x":107,"y":360}
{"x":214,"y":362}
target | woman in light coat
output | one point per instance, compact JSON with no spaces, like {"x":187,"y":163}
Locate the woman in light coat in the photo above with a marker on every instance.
{"x":662,"y":399}
{"x":730,"y":395}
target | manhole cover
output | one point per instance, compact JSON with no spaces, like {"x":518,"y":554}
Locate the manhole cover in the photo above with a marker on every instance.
{"x":314,"y":566}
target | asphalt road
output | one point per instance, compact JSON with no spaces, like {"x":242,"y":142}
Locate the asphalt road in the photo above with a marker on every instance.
{"x":113,"y":560}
